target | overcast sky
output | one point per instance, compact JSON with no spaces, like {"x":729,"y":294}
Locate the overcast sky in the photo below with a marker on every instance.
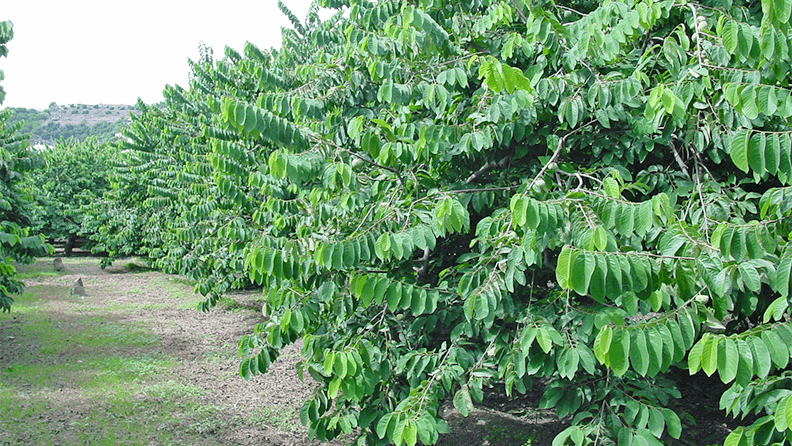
{"x":112,"y":52}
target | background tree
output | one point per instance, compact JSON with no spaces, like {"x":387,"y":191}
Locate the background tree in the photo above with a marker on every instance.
{"x":75,"y":174}
{"x":16,"y":159}
{"x":438,"y":197}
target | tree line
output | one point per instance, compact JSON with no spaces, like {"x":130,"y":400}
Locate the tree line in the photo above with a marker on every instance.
{"x":439,"y":197}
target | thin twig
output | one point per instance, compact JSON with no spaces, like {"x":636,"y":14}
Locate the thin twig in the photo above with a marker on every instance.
{"x":701,"y":197}
{"x":696,"y":33}
{"x":519,"y":11}
{"x":480,"y":189}
{"x":424,"y":269}
{"x":555,"y":156}
{"x":679,"y":161}
{"x":360,"y":157}
{"x":492,"y":165}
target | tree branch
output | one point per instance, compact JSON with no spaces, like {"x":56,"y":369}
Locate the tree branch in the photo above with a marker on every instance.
{"x":492,"y":165}
{"x":555,"y":155}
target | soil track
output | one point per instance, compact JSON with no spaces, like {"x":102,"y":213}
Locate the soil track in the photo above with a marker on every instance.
{"x":204,"y":345}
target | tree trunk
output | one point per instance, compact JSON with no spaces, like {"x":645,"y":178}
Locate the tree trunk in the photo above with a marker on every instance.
{"x":70,"y":244}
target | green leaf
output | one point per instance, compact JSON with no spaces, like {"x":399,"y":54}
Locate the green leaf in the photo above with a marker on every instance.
{"x":676,"y":337}
{"x":625,"y":219}
{"x":532,"y":218}
{"x":519,"y":210}
{"x":597,"y":285}
{"x":687,"y":327}
{"x":600,"y":237}
{"x":787,"y":411}
{"x":776,"y":310}
{"x":481,"y":305}
{"x":619,"y":352}
{"x":773,"y":154}
{"x":779,"y":351}
{"x":750,"y":277}
{"x":639,"y":354}
{"x":673,"y":423}
{"x":783,"y":414}
{"x":728,"y":360}
{"x":382,"y":246}
{"x":382,"y":425}
{"x":581,"y":272}
{"x":768,"y":103}
{"x":669,"y":349}
{"x":752,"y":243}
{"x":564,"y":266}
{"x":748,"y":98}
{"x":756,"y":153}
{"x":337,"y":261}
{"x":656,"y":422}
{"x":394,"y":296}
{"x":544,"y":340}
{"x":613,"y":281}
{"x":738,"y":248}
{"x":568,"y":362}
{"x":640,"y":273}
{"x":746,"y":363}
{"x":729,"y":35}
{"x":462,"y":401}
{"x":611,"y":187}
{"x":738,"y":149}
{"x":329,"y":362}
{"x":244,"y":369}
{"x":644,"y":217}
{"x":410,"y":433}
{"x":735,"y":438}
{"x":340,"y":365}
{"x":782,"y":11}
{"x":418,"y":302}
{"x":602,"y":344}
{"x":761,"y":357}
{"x":694,"y":357}
{"x":654,"y":343}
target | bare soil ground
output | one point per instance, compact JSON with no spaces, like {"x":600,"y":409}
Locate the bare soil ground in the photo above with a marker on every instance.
{"x":132,"y":313}
{"x":203,"y":346}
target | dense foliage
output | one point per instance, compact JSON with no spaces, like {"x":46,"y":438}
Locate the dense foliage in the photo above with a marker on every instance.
{"x":75,"y":175}
{"x":16,"y":159}
{"x":440,"y":196}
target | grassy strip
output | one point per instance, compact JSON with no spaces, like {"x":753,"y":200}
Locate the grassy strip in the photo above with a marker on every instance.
{"x":77,"y":377}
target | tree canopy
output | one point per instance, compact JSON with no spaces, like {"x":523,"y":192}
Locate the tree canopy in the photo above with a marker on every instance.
{"x":74,"y":175}
{"x":442,"y":196}
{"x":16,"y":159}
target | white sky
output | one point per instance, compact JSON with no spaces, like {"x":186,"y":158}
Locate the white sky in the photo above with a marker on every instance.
{"x":112,"y":52}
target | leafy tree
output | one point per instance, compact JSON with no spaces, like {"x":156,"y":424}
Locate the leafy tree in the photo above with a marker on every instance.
{"x":16,"y":159}
{"x":438,"y":197}
{"x":75,"y":174}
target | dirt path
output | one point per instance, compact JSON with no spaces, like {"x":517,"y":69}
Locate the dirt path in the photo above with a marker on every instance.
{"x":142,"y":316}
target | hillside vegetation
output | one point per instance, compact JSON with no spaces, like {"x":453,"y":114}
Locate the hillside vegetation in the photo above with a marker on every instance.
{"x":79,"y":121}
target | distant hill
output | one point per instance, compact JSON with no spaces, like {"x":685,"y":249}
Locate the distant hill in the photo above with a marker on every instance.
{"x":77,"y":121}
